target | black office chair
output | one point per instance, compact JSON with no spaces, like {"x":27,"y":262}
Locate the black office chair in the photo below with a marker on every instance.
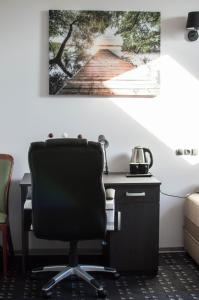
{"x":68,"y":201}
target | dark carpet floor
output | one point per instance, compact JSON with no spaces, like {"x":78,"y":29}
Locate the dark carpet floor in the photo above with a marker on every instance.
{"x":178,"y":278}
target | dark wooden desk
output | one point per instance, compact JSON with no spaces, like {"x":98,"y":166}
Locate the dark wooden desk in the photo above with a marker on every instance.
{"x":135,"y":246}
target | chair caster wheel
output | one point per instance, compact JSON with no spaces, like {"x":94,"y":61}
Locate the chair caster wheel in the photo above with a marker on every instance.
{"x":46,"y":294}
{"x":116,"y":275}
{"x":101,"y":294}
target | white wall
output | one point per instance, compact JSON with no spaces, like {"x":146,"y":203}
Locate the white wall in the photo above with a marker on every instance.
{"x":27,"y":113}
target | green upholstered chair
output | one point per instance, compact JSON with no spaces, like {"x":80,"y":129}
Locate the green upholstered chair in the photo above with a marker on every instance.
{"x":6,"y":165}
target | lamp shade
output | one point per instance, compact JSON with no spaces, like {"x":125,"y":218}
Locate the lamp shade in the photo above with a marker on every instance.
{"x":193,"y":20}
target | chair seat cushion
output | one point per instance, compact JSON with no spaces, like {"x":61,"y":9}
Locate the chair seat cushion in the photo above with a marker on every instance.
{"x":3,"y":218}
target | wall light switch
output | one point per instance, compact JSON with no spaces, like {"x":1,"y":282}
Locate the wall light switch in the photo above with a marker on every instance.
{"x":194,"y":151}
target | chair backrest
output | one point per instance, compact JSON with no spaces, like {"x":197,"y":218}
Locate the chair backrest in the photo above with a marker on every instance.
{"x":68,"y":198}
{"x":6,"y":164}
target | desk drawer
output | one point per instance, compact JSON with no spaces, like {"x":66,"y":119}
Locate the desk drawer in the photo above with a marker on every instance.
{"x":141,"y":194}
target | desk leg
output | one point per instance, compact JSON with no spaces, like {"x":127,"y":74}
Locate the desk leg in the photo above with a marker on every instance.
{"x":106,"y":250}
{"x":24,"y":233}
{"x":25,"y":244}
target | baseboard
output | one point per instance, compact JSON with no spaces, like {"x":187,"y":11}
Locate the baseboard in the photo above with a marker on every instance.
{"x":171,"y":249}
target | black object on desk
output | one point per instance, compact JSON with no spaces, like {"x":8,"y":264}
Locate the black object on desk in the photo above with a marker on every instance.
{"x":135,"y":246}
{"x":139,"y":175}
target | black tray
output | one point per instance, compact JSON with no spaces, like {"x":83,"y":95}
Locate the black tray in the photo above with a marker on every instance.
{"x":138,"y":175}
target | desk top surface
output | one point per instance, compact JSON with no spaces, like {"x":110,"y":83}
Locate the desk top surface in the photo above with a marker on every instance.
{"x":110,"y":179}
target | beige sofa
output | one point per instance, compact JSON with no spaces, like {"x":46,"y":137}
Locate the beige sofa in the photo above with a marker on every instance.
{"x":191,"y":226}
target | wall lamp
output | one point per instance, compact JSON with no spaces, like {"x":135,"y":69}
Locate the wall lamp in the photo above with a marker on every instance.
{"x":193,"y":25}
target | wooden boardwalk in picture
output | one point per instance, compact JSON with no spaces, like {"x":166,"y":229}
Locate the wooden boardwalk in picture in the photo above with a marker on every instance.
{"x":105,"y":74}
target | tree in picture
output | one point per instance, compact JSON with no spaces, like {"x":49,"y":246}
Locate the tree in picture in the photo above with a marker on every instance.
{"x":104,"y":53}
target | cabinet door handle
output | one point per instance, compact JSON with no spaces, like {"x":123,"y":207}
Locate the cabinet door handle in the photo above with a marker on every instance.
{"x":119,"y":220}
{"x":142,"y":194}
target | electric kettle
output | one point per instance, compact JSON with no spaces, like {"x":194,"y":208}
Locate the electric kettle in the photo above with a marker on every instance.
{"x":141,"y":160}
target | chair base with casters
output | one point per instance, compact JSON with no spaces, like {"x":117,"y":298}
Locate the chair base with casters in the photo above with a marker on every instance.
{"x":73,"y":268}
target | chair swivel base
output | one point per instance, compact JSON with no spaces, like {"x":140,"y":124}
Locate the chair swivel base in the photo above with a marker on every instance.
{"x":80,"y":271}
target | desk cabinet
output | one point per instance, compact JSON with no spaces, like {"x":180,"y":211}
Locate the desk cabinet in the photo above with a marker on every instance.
{"x":135,"y":246}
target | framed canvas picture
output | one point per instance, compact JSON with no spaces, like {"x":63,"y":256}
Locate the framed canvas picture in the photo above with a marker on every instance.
{"x":104,"y":53}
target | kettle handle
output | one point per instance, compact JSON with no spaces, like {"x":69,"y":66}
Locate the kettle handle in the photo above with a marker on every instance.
{"x":146,"y":150}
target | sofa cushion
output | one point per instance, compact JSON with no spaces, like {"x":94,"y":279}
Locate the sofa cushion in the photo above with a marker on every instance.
{"x":191,"y":228}
{"x":192,"y":208}
{"x":191,"y":245}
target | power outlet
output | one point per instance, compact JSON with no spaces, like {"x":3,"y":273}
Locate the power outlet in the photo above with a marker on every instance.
{"x":187,"y":151}
{"x":179,"y":151}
